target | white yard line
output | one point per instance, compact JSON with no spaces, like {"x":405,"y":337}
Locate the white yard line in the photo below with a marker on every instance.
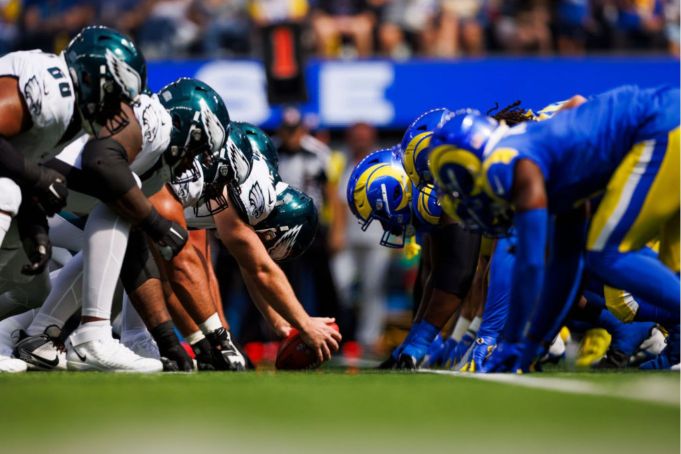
{"x":647,"y":389}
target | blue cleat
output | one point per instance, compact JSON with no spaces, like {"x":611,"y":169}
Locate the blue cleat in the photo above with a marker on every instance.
{"x":416,"y":346}
{"x":457,"y":354}
{"x":434,"y":356}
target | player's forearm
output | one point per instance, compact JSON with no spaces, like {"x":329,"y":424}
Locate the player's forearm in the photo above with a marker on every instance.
{"x":277,"y":292}
{"x":189,"y":282}
{"x":528,"y":272}
{"x":275,"y":321}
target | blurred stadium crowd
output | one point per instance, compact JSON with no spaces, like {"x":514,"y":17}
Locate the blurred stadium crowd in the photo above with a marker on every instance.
{"x":353,"y":28}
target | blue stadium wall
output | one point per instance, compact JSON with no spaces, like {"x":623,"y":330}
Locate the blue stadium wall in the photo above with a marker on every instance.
{"x":390,"y":94}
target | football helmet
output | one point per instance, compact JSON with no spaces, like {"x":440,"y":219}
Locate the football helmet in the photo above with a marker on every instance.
{"x":291,"y":226}
{"x":200,"y":125}
{"x":106,"y":68}
{"x":379,"y":189}
{"x":457,"y":146}
{"x":416,"y":146}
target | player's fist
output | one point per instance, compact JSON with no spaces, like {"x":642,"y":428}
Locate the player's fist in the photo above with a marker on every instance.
{"x":50,"y":191}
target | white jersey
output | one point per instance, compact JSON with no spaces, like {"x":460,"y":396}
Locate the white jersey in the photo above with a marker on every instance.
{"x":254,"y":202}
{"x":156,"y":125}
{"x":46,"y":87}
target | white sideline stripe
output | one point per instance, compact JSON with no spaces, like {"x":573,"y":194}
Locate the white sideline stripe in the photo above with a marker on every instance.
{"x":647,"y":389}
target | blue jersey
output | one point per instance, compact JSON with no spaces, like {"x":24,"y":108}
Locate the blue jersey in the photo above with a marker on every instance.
{"x":578,"y":150}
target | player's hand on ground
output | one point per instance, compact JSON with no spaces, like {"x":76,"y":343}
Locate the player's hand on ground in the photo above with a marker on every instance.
{"x":321,"y":337}
{"x":50,"y":191}
{"x":504,"y":357}
{"x":482,"y":349}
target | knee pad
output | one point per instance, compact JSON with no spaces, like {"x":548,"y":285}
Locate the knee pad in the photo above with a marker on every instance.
{"x":455,"y":258}
{"x":105,"y":163}
{"x":138,"y":265}
{"x":10,"y":196}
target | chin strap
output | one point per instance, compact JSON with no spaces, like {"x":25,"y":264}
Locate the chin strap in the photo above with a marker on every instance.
{"x":411,"y":249}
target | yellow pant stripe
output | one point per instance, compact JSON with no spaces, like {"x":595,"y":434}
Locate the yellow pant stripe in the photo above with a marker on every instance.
{"x":660,"y":207}
{"x":618,"y":194}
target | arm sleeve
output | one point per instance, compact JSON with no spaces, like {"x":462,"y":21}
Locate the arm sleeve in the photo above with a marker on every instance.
{"x":528,"y":272}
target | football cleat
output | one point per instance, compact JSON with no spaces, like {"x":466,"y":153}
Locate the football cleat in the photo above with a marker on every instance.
{"x":626,"y":342}
{"x":593,"y":347}
{"x":43,"y":352}
{"x":669,"y":358}
{"x":457,"y":354}
{"x":556,"y":351}
{"x":406,"y":362}
{"x":434,"y":357}
{"x":9,"y":334}
{"x":108,"y":355}
{"x":226,"y":356}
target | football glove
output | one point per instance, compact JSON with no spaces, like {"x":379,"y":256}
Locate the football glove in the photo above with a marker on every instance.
{"x":33,"y":231}
{"x":482,"y":349}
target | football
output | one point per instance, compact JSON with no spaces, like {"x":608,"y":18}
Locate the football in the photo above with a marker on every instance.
{"x":294,"y":354}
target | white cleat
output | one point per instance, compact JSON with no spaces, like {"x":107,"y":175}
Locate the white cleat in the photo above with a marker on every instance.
{"x":108,"y":355}
{"x":12,"y":365}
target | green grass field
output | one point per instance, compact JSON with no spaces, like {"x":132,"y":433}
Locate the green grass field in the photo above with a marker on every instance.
{"x":338,"y":411}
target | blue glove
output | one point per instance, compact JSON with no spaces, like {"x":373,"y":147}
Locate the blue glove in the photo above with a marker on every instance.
{"x":528,"y":360}
{"x":504,"y":357}
{"x":483,"y":348}
{"x":434,"y":356}
{"x":421,"y":336}
{"x":461,"y":348}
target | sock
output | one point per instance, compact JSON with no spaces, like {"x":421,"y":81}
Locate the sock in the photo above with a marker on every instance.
{"x":460,"y":329}
{"x":194,"y":337}
{"x":475,"y":325}
{"x":211,"y":324}
{"x":91,"y":331}
{"x":64,"y":298}
{"x":106,"y":238}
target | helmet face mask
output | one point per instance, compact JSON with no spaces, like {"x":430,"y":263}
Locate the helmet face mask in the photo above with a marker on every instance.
{"x":199,"y":126}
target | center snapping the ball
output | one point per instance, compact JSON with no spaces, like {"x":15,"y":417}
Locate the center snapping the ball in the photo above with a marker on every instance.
{"x":294,"y":354}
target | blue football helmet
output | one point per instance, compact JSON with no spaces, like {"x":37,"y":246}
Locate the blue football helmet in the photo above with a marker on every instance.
{"x":457,"y":146}
{"x":416,"y":146}
{"x":425,"y":207}
{"x":379,"y":189}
